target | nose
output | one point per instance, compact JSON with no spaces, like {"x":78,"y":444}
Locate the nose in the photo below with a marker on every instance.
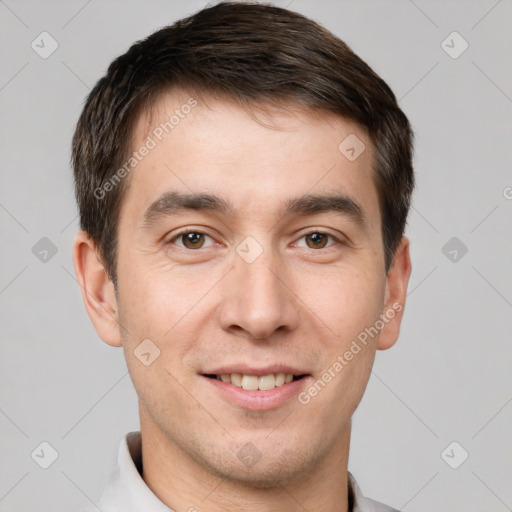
{"x":257,"y":299}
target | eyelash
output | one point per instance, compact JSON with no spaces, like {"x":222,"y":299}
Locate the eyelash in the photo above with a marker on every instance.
{"x":187,"y":231}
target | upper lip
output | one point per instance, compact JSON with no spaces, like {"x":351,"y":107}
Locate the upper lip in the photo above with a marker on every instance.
{"x":246,"y":369}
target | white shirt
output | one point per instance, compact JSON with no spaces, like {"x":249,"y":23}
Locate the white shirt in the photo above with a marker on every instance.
{"x":126,"y":491}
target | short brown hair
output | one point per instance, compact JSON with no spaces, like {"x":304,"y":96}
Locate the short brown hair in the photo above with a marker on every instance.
{"x":249,"y":53}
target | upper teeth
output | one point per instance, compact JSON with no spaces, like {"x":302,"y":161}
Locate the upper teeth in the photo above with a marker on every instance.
{"x":253,"y":382}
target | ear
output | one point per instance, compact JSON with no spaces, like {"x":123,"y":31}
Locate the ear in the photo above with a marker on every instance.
{"x":396,"y":292}
{"x":98,"y":291}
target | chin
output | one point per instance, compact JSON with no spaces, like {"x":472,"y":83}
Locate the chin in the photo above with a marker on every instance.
{"x":274,"y":470}
{"x":269,"y":476}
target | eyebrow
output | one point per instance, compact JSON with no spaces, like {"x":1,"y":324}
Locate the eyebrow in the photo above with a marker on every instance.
{"x":174,"y":202}
{"x":336,"y":202}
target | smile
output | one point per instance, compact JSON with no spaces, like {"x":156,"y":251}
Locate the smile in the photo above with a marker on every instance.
{"x":256,"y":382}
{"x":256,"y":390}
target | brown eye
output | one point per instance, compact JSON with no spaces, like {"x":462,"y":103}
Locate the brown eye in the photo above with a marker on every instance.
{"x":316,"y":240}
{"x":192,"y":240}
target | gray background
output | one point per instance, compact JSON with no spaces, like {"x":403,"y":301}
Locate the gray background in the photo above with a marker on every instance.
{"x":448,"y":379}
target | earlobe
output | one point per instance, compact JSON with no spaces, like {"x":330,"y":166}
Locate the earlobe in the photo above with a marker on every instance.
{"x":97,"y":290}
{"x":396,"y":292}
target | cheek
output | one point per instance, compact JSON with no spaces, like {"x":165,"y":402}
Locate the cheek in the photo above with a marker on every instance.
{"x":354,"y":303}
{"x":156,"y":299}
{"x":168,"y":307}
{"x":156,"y":310}
{"x":346,"y":302}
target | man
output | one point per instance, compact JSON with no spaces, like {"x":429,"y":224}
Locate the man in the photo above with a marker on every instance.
{"x":243,"y":180}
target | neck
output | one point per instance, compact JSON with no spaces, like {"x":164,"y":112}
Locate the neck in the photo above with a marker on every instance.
{"x":185,"y":485}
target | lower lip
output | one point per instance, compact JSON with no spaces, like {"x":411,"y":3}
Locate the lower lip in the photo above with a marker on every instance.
{"x":256,"y":400}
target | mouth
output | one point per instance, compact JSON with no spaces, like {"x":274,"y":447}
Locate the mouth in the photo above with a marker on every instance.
{"x":251,"y":382}
{"x":256,"y":389}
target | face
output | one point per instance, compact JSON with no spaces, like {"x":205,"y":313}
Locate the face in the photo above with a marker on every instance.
{"x":250,"y":255}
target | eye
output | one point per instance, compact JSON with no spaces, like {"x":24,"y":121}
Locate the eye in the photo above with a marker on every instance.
{"x":317,"y":240}
{"x":192,"y":240}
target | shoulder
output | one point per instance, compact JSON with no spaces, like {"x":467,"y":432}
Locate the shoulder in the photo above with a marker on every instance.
{"x":360,"y":503}
{"x":375,"y":506}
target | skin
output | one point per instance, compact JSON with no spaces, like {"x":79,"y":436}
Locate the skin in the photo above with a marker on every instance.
{"x":208,"y":307}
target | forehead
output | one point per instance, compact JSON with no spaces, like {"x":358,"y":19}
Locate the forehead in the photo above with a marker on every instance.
{"x":262,"y":157}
